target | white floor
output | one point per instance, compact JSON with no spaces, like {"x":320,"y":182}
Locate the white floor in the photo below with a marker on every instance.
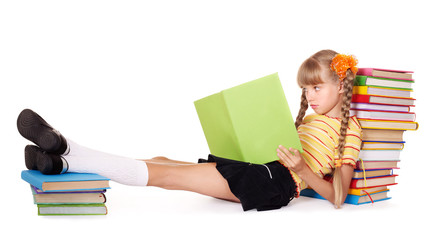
{"x":147,"y":211}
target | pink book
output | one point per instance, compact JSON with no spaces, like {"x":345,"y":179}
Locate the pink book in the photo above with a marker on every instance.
{"x":386,"y":73}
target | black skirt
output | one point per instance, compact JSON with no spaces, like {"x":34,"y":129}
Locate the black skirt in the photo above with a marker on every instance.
{"x":264,"y":187}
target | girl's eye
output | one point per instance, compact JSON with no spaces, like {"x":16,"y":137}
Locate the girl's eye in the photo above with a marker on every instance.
{"x":304,"y":89}
{"x":317,"y":88}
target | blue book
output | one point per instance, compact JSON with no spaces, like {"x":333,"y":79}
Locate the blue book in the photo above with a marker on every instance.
{"x":65,"y":182}
{"x":351,"y":199}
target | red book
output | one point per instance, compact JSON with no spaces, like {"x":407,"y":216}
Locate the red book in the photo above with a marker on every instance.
{"x":373,"y":182}
{"x":383,"y":100}
{"x":385,"y":73}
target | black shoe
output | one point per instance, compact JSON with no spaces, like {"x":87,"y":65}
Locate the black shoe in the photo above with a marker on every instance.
{"x":46,"y":163}
{"x":34,"y":128}
{"x":31,"y":152}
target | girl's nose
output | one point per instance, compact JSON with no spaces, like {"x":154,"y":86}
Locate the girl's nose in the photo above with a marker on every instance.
{"x":309,"y":95}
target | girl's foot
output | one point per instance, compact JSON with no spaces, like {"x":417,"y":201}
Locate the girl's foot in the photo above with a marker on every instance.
{"x":46,"y":163}
{"x":34,"y":128}
{"x":31,"y":152}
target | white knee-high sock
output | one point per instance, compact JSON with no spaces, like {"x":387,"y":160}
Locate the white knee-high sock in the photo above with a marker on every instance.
{"x":119,"y":169}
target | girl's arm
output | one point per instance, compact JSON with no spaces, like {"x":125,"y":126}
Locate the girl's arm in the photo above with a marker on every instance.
{"x":293,"y":160}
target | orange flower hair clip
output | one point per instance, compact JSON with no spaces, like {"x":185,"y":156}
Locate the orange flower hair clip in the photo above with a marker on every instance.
{"x":341,"y":63}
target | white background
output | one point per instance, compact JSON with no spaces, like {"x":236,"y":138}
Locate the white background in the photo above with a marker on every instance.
{"x":121,"y":76}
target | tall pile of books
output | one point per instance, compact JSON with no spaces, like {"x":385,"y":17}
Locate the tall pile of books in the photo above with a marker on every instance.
{"x":68,"y":193}
{"x":381,"y":101}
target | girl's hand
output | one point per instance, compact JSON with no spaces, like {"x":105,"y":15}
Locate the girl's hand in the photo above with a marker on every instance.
{"x":292,"y":159}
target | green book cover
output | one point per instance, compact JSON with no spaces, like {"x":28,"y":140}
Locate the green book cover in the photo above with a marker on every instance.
{"x":383,"y":82}
{"x":248,"y":122}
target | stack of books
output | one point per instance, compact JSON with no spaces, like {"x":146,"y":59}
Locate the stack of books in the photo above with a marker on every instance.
{"x":382,"y":102}
{"x":68,"y":193}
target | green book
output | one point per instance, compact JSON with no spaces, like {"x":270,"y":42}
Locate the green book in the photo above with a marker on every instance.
{"x":248,"y":122}
{"x":72,"y":209}
{"x":383,"y":82}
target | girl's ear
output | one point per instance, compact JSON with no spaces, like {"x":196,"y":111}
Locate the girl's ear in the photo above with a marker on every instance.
{"x":341,"y":87}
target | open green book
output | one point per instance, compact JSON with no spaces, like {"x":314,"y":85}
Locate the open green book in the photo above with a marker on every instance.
{"x":248,"y":122}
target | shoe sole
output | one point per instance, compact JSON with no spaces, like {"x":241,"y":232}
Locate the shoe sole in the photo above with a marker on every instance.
{"x":46,"y":163}
{"x":34,"y":128}
{"x":31,"y":157}
{"x":49,"y":164}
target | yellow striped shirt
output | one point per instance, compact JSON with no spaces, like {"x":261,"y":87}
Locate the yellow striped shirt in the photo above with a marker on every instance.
{"x":319,"y":136}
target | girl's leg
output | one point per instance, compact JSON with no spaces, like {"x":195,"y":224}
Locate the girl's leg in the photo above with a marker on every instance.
{"x":120,"y":169}
{"x":200,"y":178}
{"x":164,"y":160}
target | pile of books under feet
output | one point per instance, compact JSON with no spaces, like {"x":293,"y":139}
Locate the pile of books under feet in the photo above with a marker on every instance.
{"x":68,"y":193}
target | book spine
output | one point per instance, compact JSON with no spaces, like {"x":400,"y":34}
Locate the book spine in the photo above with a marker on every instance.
{"x":365,"y":71}
{"x":361,"y":98}
{"x":360,"y":80}
{"x":362,"y":90}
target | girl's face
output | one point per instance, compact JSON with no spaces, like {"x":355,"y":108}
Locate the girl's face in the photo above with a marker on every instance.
{"x":325,"y":98}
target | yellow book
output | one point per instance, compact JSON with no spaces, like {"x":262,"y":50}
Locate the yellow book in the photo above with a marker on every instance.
{"x":379,"y":91}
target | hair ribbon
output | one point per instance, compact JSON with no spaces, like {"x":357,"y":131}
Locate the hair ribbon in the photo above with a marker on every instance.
{"x":341,"y":63}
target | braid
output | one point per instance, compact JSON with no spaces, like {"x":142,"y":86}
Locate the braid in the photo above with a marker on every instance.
{"x":302,"y":110}
{"x":347,"y":97}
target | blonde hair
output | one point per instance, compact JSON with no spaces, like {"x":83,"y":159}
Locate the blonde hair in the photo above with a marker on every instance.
{"x":310,"y":74}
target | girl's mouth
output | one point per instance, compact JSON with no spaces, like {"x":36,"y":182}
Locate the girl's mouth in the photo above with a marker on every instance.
{"x":313,"y":106}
